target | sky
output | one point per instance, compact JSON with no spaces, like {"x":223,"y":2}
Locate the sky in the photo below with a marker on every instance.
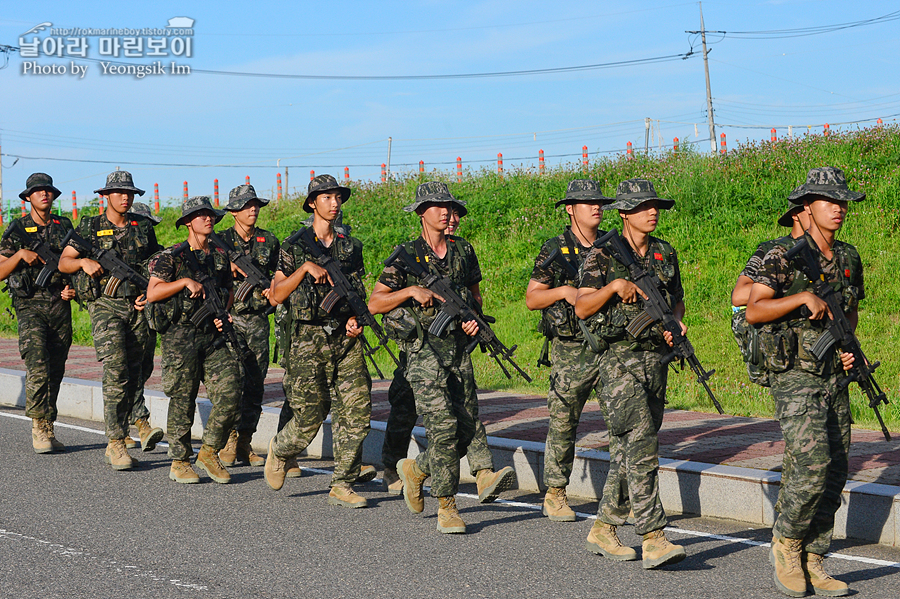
{"x":350,"y":76}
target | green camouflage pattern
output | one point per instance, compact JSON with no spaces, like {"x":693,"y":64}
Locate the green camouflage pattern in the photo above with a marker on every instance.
{"x":631,"y":193}
{"x":559,"y":320}
{"x":195,"y":204}
{"x":828,"y":182}
{"x":254,"y":330}
{"x":37,"y":181}
{"x":182,"y":306}
{"x":24,"y":276}
{"x":142,"y":209}
{"x":264,"y":249}
{"x":45,"y":335}
{"x":139,"y":409}
{"x":583,"y":190}
{"x":240,"y":195}
{"x":401,"y":419}
{"x":436,"y":192}
{"x":323,"y":183}
{"x":323,"y":365}
{"x":119,"y":181}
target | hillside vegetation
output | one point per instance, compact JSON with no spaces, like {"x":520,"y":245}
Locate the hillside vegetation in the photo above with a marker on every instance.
{"x":724,"y":207}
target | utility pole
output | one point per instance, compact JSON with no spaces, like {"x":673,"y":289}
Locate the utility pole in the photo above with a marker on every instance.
{"x":286,"y":182}
{"x":390,"y":141}
{"x":709,"y":105}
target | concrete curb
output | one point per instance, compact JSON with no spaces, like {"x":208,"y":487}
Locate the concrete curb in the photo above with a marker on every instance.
{"x":869,"y":511}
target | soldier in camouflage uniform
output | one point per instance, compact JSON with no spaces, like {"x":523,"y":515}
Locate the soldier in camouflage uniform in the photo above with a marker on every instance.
{"x":251,"y":318}
{"x":191,"y":352}
{"x":402,"y":419}
{"x":575,"y":368}
{"x":326,"y":358}
{"x":43,"y":314}
{"x":438,"y":369}
{"x":140,"y":415}
{"x":118,"y":326}
{"x":811,"y":405}
{"x":633,"y":376}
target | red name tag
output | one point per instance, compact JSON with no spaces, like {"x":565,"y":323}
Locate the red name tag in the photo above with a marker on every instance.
{"x":847,"y":272}
{"x":261,"y":239}
{"x":658,"y":256}
{"x":134,"y":223}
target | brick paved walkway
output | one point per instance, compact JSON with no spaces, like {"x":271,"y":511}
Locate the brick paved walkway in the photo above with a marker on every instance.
{"x":693,"y":436}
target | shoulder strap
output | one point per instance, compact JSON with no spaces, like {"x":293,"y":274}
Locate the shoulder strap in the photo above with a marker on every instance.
{"x":570,"y":245}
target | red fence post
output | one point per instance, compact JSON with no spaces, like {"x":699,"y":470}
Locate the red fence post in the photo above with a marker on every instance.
{"x":383,"y":172}
{"x":155,"y":197}
{"x":500,"y":164}
{"x":421,"y":166}
{"x":215,"y":192}
{"x":74,"y":208}
{"x":827,"y":129}
{"x":100,"y":203}
{"x":459,"y":169}
{"x":248,"y":179}
{"x":584,"y":159}
{"x":774,"y":136}
{"x":675,"y":145}
{"x":312,"y":175}
{"x":278,"y":180}
{"x":185,"y":190}
{"x":629,"y":151}
{"x":541,"y":161}
{"x":346,"y":173}
{"x":724,"y":148}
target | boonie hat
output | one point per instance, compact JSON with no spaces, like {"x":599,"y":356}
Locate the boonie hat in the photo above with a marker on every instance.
{"x":39,"y":181}
{"x":321,"y":184}
{"x":142,"y":209}
{"x":240,"y":196}
{"x":196,"y":204}
{"x":436,"y":192}
{"x":119,"y":181}
{"x":829,"y":182}
{"x":583,"y":190}
{"x":631,"y":193}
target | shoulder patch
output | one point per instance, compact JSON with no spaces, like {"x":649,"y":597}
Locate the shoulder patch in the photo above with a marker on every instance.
{"x":658,"y":256}
{"x":260,"y":239}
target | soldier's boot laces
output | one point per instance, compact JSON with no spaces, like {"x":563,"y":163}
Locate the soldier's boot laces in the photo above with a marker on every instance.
{"x":491,"y":484}
{"x":604,"y":541}
{"x":413,"y":480}
{"x":789,"y":576}
{"x":366,"y":473}
{"x":274,"y":471}
{"x":51,"y":434}
{"x":150,"y":435}
{"x":228,"y":454}
{"x":822,"y":582}
{"x":392,"y":483}
{"x":556,"y":505}
{"x":657,"y":551}
{"x":448,"y":519}
{"x":245,"y":451}
{"x":39,"y":439}
{"x":117,"y":456}
{"x":208,"y":460}
{"x":343,"y":495}
{"x":292,"y":468}
{"x":181,"y":472}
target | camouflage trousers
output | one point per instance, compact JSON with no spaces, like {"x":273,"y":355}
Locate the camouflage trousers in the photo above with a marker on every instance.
{"x":189,"y":356}
{"x":254,"y":330}
{"x":815,"y":423}
{"x":323,"y":365}
{"x":575,"y":373}
{"x":139,"y":410}
{"x":120,"y":335}
{"x":402,"y":419}
{"x":443,"y":383}
{"x":632,"y":400}
{"x":45,"y":335}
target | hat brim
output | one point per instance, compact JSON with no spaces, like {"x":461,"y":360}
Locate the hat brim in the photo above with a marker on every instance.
{"x":219,"y":215}
{"x":458,"y":205}
{"x":833,"y":193}
{"x":239,"y":203}
{"x":345,"y":196}
{"x":787,"y":219}
{"x":586,"y":200}
{"x":632,"y":203}
{"x":107,"y":190}
{"x":25,"y":194}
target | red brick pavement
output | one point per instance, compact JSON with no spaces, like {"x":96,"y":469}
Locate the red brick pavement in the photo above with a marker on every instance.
{"x":694,"y":436}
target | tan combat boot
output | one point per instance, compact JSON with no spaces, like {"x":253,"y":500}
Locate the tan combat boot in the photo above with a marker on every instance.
{"x":490,"y":484}
{"x":181,"y":472}
{"x":556,"y":505}
{"x":130,"y":443}
{"x":39,"y":439}
{"x":245,"y":451}
{"x":413,"y":479}
{"x":343,"y":495}
{"x":208,"y":460}
{"x":658,"y":551}
{"x":292,"y":468}
{"x":51,"y":434}
{"x":448,"y":519}
{"x":604,"y":541}
{"x":392,"y":483}
{"x":274,"y":471}
{"x":822,"y":582}
{"x":228,"y":454}
{"x":150,"y":435}
{"x":789,"y":576}
{"x":366,"y":473}
{"x":117,"y":456}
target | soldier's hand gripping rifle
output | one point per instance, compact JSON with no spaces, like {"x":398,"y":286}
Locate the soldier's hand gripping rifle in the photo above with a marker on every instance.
{"x":838,"y":330}
{"x":118,"y":270}
{"x":212,"y":305}
{"x":656,"y":310}
{"x":253,"y":277}
{"x":341,"y":288}
{"x":572,"y":274}
{"x":454,"y":307}
{"x":39,"y":247}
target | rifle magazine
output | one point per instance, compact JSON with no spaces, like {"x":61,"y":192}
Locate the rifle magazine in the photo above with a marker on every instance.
{"x":639,"y":324}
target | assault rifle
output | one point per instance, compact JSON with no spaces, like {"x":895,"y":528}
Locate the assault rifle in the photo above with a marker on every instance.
{"x":838,"y":331}
{"x":341,"y":288}
{"x":572,"y":274}
{"x":39,"y":247}
{"x":118,"y":270}
{"x":253,"y":277}
{"x":454,"y":307}
{"x":212,"y":304}
{"x":656,"y":310}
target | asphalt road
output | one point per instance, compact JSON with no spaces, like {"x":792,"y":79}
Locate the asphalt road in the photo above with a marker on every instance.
{"x":71,"y":527}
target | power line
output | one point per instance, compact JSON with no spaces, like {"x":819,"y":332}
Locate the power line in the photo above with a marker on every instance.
{"x":806,"y":31}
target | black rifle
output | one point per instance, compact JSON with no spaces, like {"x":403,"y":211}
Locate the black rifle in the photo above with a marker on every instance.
{"x":212,"y":304}
{"x":656,"y":310}
{"x":341,"y":288}
{"x":253,"y":277}
{"x":589,"y":337}
{"x":838,"y":331}
{"x":118,"y":270}
{"x":455,"y":307}
{"x":39,"y":247}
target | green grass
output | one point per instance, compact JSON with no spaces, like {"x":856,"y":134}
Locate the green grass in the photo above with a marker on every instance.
{"x":725,"y":207}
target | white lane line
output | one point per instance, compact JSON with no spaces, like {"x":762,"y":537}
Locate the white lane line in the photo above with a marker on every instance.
{"x":74,"y":427}
{"x":531,"y":506}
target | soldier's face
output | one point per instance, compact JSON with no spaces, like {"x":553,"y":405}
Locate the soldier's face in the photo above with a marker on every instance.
{"x":452,"y":222}
{"x":202,"y":222}
{"x":586,"y":214}
{"x":826,"y":213}
{"x":249,"y":214}
{"x":436,"y":216}
{"x":120,"y":201}
{"x":643,"y":218}
{"x":41,"y":199}
{"x":328,"y":204}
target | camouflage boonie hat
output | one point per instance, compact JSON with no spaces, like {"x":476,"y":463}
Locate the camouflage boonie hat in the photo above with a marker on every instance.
{"x":38,"y":181}
{"x":583,"y":190}
{"x":828,"y":182}
{"x":142,"y":209}
{"x":435,"y":192}
{"x":631,"y":193}
{"x":787,"y":219}
{"x":119,"y":181}
{"x":196,"y":204}
{"x":321,"y":184}
{"x":240,"y":196}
